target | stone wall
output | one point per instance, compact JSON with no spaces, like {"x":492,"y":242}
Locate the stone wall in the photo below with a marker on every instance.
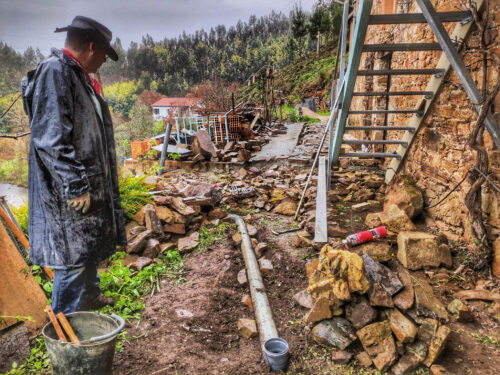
{"x":439,"y":157}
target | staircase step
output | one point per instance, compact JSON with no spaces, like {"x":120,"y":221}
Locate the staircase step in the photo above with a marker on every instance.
{"x":427,"y":94}
{"x":386,"y":128}
{"x":399,"y":72}
{"x":373,"y":142}
{"x":402,"y":47}
{"x":386,"y":111}
{"x":369,"y":155}
{"x":386,"y":19}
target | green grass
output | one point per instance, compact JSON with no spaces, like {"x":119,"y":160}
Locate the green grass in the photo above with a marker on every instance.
{"x":129,"y":287}
{"x":15,"y":171}
{"x":21,"y":215}
{"x":211,"y":234}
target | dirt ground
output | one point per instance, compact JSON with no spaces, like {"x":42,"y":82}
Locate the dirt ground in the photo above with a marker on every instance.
{"x":191,"y":327}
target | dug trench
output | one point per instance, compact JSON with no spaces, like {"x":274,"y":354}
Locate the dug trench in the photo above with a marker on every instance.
{"x":191,"y":327}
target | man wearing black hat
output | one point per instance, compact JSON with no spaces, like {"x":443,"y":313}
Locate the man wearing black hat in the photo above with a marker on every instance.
{"x":75,"y":215}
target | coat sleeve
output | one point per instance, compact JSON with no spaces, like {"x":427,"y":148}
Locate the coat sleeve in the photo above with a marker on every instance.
{"x":52,"y":130}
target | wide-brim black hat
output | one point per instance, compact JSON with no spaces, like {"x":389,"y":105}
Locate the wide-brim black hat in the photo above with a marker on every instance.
{"x":94,"y":28}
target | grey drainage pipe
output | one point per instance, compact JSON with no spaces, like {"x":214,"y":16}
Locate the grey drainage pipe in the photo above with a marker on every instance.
{"x":275,"y":349}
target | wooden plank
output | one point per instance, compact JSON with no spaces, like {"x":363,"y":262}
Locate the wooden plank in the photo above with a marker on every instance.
{"x":321,"y":227}
{"x":460,"y":32}
{"x":20,"y":294}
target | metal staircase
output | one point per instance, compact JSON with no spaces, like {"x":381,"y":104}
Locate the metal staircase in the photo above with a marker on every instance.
{"x":449,"y":59}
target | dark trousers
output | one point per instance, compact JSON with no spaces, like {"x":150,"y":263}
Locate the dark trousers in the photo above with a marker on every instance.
{"x":75,"y":289}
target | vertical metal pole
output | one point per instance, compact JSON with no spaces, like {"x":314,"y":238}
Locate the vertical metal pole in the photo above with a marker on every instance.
{"x":343,"y":51}
{"x":164,"y":148}
{"x":177,"y":127}
{"x":365,"y":7}
{"x":227,"y":130}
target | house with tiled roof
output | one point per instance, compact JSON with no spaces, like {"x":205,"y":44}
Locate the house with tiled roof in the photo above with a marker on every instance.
{"x":181,"y":107}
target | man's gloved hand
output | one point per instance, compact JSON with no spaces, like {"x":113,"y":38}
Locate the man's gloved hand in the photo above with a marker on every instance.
{"x":81,"y":203}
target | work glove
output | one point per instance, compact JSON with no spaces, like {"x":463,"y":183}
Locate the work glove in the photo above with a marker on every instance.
{"x":80,"y":203}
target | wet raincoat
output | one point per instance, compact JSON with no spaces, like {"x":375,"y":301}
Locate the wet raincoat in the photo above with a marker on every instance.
{"x":71,"y":152}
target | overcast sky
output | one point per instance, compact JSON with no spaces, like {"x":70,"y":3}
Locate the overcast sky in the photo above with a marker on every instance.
{"x":25,"y":23}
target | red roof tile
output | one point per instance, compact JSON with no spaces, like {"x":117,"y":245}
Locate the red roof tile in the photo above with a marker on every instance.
{"x":175,"y":102}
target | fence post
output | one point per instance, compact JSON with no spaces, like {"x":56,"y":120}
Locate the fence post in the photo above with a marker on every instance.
{"x":227,"y":130}
{"x":177,"y":128}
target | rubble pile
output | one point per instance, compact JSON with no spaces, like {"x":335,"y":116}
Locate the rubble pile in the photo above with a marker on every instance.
{"x":395,"y":316}
{"x":174,"y":219}
{"x":202,"y":148}
{"x":276,"y":189}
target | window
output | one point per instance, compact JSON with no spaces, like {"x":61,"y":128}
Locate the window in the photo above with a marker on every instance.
{"x":157,"y":111}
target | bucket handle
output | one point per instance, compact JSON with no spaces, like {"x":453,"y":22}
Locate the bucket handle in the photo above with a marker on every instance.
{"x":121,"y":322}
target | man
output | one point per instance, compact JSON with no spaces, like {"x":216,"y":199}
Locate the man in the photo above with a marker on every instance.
{"x":75,"y":216}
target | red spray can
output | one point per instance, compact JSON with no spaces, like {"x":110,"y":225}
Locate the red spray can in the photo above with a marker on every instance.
{"x":365,"y":236}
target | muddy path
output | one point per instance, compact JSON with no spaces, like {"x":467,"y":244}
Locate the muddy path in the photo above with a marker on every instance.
{"x":191,"y":327}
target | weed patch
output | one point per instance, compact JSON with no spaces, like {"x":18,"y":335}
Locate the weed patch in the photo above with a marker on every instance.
{"x":211,"y":234}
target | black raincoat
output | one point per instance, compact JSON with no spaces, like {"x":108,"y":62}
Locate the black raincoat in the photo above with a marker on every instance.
{"x":71,"y":152}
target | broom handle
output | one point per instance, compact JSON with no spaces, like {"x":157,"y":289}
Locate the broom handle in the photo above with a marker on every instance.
{"x":67,"y":328}
{"x":55,"y":323}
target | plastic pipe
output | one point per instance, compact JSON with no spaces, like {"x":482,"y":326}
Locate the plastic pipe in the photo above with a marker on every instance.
{"x":263,"y":313}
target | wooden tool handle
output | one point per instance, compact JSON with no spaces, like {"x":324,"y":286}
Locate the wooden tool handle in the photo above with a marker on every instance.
{"x":55,"y":323}
{"x":67,"y":328}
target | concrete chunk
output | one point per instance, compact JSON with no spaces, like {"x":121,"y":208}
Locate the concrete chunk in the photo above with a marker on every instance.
{"x":417,"y":250}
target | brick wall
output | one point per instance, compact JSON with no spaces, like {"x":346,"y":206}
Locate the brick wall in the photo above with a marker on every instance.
{"x":439,"y":157}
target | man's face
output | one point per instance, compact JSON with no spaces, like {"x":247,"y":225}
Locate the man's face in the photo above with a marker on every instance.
{"x":97,"y":57}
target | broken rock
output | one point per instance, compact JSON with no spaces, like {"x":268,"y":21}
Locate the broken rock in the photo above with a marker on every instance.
{"x":377,"y":250}
{"x":320,"y":310}
{"x":419,"y":249}
{"x":265,"y":265}
{"x":242,"y":277}
{"x":380,"y":297}
{"x":426,"y":303}
{"x":459,"y":310}
{"x":437,"y":345}
{"x":165,"y":214}
{"x":175,"y":228}
{"x":286,"y":207}
{"x":341,"y":356}
{"x":137,"y":244}
{"x":202,"y":144}
{"x":364,"y":359}
{"x":378,"y":342}
{"x":152,"y":222}
{"x":404,"y":193}
{"x":189,"y":243}
{"x":178,"y":204}
{"x":396,"y":220}
{"x":402,"y":327}
{"x":247,"y":328}
{"x":336,"y":332}
{"x":406,"y":364}
{"x":403,"y":299}
{"x":152,"y":248}
{"x":304,"y":299}
{"x":380,"y":274}
{"x":140,"y":263}
{"x":360,"y":313}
